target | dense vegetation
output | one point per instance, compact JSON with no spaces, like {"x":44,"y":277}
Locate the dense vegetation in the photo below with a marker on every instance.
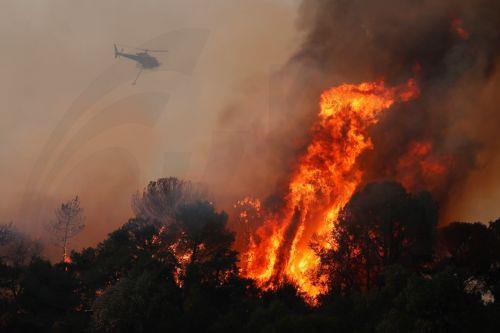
{"x":173,"y":269}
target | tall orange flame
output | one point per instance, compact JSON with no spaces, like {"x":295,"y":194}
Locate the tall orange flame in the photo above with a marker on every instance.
{"x":324,"y":180}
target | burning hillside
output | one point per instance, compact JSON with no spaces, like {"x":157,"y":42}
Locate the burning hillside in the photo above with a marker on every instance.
{"x":356,"y":170}
{"x":323,"y":181}
{"x":422,"y":134}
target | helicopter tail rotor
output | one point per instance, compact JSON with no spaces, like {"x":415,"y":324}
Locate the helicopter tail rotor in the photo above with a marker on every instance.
{"x":116,"y":51}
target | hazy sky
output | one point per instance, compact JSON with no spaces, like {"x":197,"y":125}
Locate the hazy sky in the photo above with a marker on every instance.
{"x":52,"y":50}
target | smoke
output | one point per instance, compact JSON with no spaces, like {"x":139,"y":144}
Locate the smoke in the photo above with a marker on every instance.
{"x":435,"y":142}
{"x":71,"y":122}
{"x":365,"y":40}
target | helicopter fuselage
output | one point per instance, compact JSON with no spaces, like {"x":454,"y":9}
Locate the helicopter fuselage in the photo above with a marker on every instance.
{"x":143,"y":58}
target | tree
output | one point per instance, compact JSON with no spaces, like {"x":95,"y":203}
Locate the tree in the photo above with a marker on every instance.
{"x":207,"y":271}
{"x":381,"y":225}
{"x":130,"y":247}
{"x":161,"y":199}
{"x":145,"y":301}
{"x":493,"y":278}
{"x":16,"y":247}
{"x":202,"y":244}
{"x":6,"y":233}
{"x":67,"y":224}
{"x":152,"y":276}
{"x":473,"y":249}
{"x":17,"y":252}
{"x":45,"y":300}
{"x":468,"y":246}
{"x":432,"y":304}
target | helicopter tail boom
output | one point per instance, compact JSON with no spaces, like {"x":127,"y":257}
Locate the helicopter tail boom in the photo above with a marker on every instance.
{"x":116,"y":51}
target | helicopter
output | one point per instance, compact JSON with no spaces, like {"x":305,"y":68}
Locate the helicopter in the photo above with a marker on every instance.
{"x":144,"y":59}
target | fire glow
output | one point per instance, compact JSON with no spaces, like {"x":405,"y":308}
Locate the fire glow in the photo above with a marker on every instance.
{"x":322,"y":182}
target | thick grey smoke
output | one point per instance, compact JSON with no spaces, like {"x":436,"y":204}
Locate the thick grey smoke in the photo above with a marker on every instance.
{"x":451,"y":47}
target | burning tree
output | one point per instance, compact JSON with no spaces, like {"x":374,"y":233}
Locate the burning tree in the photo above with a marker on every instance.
{"x":382,"y":225}
{"x":201,"y":243}
{"x":67,"y":224}
{"x":325,"y":178}
{"x":153,"y":271}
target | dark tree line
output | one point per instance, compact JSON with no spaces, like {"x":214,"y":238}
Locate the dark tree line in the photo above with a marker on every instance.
{"x":382,"y":225}
{"x":172,"y":268}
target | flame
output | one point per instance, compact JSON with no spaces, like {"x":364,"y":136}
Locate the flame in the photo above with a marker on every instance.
{"x":323,"y":181}
{"x":66,"y":259}
{"x":456,"y":26}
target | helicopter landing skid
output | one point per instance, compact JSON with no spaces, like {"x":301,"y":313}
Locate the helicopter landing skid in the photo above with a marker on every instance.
{"x":137,"y":77}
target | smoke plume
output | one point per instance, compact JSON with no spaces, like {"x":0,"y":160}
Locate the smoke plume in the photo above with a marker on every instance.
{"x":434,"y":142}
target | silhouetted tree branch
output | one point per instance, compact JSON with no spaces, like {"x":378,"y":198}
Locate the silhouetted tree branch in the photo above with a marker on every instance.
{"x":17,"y":248}
{"x":161,"y":198}
{"x":67,"y":224}
{"x":381,"y":225}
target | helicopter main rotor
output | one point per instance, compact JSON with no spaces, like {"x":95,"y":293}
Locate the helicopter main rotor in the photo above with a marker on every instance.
{"x":141,"y":49}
